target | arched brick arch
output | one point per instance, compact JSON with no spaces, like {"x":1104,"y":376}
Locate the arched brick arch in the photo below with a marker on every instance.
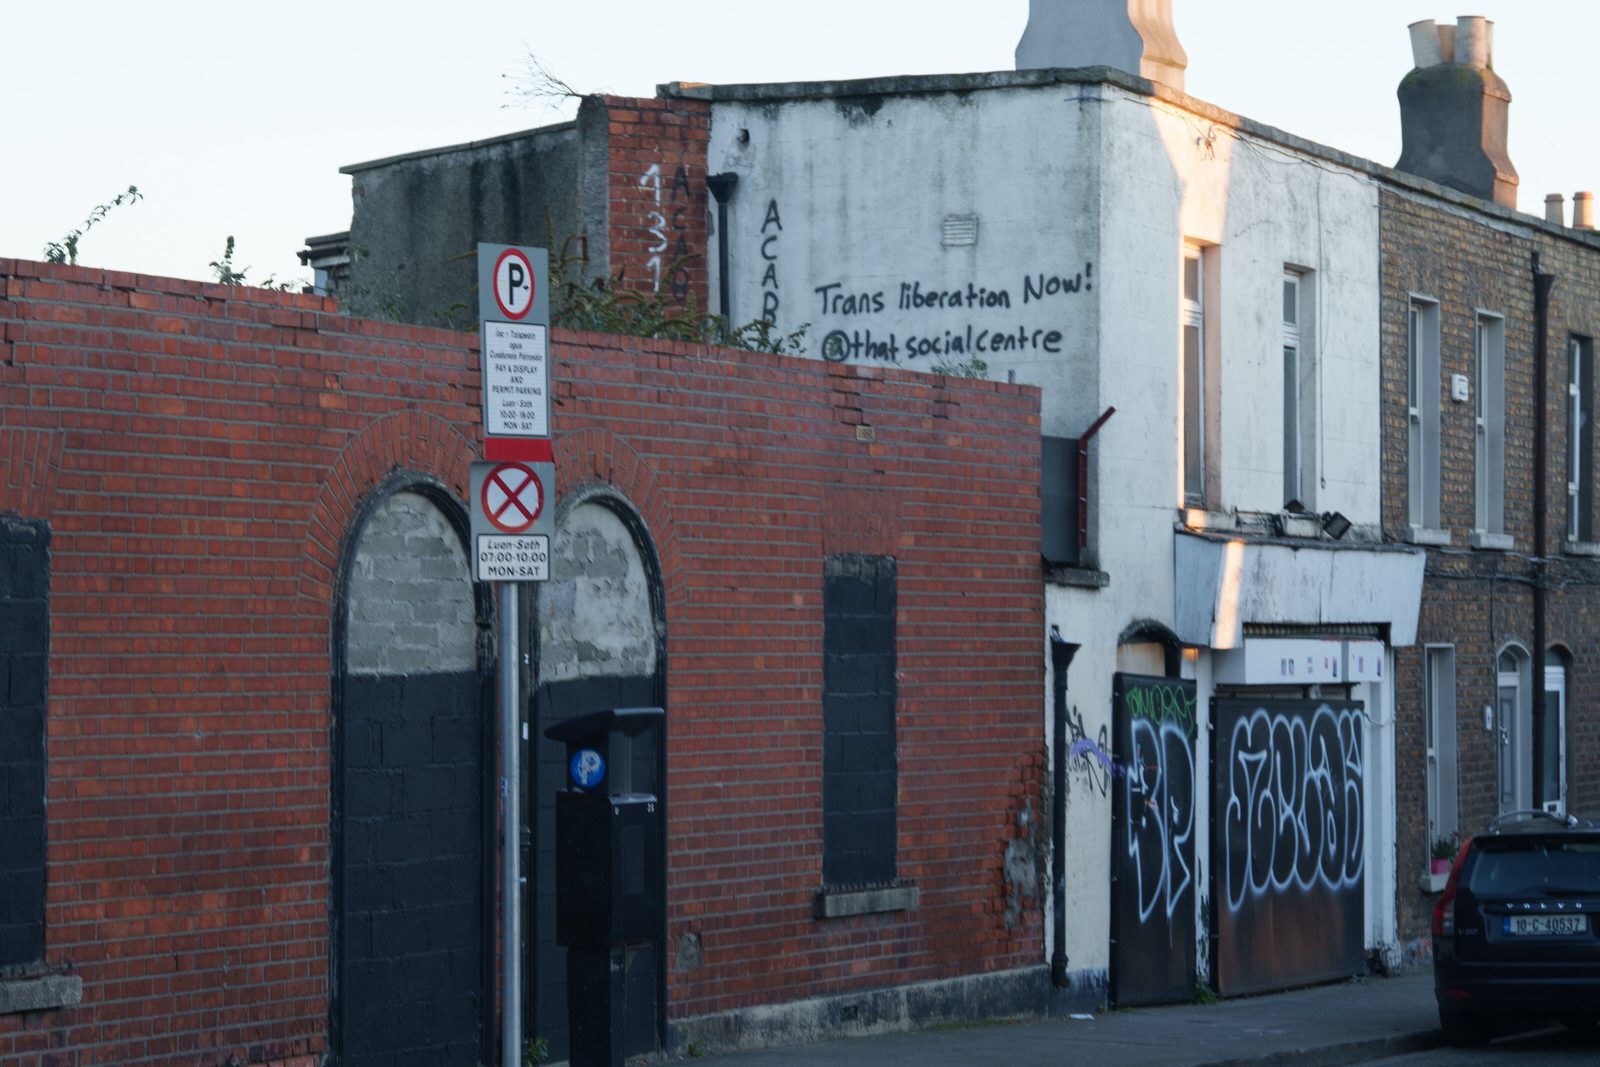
{"x":411,"y":440}
{"x":30,"y":463}
{"x":599,"y":456}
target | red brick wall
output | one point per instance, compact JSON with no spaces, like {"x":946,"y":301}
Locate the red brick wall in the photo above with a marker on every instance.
{"x":200,"y":453}
{"x":658,"y":196}
{"x":1480,"y":600}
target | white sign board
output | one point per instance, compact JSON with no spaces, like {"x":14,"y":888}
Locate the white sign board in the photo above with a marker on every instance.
{"x":513,"y":520}
{"x":513,"y":559}
{"x":516,"y":380}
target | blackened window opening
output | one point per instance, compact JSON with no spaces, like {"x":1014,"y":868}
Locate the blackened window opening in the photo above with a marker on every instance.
{"x":24,"y":655}
{"x":858,"y":706}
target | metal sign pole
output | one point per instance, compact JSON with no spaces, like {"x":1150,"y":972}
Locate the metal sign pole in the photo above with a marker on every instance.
{"x":513,"y":528}
{"x":510,"y":840}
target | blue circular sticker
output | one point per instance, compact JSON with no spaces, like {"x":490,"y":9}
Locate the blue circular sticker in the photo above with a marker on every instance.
{"x":588,"y":768}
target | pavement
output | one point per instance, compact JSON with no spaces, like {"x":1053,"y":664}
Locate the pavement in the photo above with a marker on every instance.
{"x":1356,"y":1021}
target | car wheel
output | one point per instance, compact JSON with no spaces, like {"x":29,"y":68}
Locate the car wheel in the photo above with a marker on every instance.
{"x":1465,"y":1030}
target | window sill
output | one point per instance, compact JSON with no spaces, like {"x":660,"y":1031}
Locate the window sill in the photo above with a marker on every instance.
{"x":1421,"y":535}
{"x":843,"y":903}
{"x":1497,"y":542}
{"x":42,"y":993}
{"x":1581,"y":548}
{"x":1079,"y":576}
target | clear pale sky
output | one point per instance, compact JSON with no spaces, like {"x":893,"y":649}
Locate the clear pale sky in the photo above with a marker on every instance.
{"x":236,"y":119}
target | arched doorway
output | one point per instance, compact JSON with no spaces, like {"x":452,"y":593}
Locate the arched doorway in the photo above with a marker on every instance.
{"x":412,"y":760}
{"x":601,"y":643}
{"x":1513,"y":729}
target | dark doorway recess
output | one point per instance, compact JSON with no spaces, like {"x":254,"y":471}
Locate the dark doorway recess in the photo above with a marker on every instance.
{"x":412,"y":830}
{"x":600,"y":643}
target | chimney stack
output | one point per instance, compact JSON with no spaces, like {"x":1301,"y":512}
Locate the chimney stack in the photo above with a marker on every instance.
{"x":1135,"y":36}
{"x":1454,"y":109}
{"x":1583,"y":211}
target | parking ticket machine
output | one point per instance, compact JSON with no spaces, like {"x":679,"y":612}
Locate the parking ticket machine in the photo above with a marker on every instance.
{"x":610,"y":868}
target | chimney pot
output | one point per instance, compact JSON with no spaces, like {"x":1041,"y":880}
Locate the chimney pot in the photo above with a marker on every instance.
{"x":1555,"y":209}
{"x":1447,"y":43}
{"x":1583,"y":211}
{"x":1425,"y":43}
{"x":1473,"y":34}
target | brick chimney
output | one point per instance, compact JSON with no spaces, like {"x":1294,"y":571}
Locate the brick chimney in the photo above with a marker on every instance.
{"x":1453,"y":111}
{"x":1135,"y":36}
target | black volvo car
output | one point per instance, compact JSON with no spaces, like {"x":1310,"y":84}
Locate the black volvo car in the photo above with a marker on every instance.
{"x":1515,"y":934}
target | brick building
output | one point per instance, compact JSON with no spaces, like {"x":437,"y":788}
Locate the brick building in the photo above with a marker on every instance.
{"x":1461,"y":399}
{"x":249,"y":796}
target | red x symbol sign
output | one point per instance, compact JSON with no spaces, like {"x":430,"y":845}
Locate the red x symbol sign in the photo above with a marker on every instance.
{"x":512,"y":497}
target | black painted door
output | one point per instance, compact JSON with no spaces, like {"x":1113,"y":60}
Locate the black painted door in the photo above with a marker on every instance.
{"x":1152,"y":851}
{"x":413,"y":910}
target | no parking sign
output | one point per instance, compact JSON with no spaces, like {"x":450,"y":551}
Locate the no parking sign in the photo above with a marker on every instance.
{"x":512,"y":520}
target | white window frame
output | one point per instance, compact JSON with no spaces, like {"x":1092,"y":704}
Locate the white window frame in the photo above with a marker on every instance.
{"x":1192,"y":364}
{"x":1439,"y":717}
{"x":1422,"y":417}
{"x":1555,"y":686}
{"x":1580,"y":468}
{"x":1489,"y":431}
{"x":1293,"y":376}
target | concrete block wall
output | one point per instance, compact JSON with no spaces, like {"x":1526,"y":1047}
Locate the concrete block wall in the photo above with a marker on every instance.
{"x":1479,"y":600}
{"x":200,"y":454}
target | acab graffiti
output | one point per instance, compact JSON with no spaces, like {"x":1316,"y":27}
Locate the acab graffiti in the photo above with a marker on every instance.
{"x":1293,"y":818}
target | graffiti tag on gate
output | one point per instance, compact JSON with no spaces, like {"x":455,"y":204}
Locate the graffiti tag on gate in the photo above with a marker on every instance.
{"x":1154,"y":833}
{"x":1160,"y":795}
{"x":1161,"y":815}
{"x":1293,"y":813}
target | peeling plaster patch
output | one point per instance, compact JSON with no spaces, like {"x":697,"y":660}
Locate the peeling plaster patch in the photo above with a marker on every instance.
{"x":691,"y":956}
{"x":410,"y":605}
{"x":1021,"y":870}
{"x":595,"y":617}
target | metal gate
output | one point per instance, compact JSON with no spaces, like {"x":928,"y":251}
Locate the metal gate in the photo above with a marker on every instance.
{"x":1153,"y":823}
{"x":1287,"y":847}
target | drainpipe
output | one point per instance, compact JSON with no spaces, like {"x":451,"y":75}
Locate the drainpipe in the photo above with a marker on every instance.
{"x":1543,"y":283}
{"x":1061,"y":653}
{"x":722,"y":187}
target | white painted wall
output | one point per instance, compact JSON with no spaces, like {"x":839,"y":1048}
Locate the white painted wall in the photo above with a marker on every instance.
{"x":834,"y":193}
{"x":842,"y":201}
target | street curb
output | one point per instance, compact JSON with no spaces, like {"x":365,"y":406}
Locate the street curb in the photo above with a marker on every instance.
{"x":1339,"y":1055}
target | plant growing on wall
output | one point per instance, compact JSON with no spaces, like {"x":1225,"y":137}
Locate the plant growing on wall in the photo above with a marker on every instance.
{"x":227,"y":274}
{"x":610,"y":305}
{"x":66,"y":249}
{"x":967,"y":368}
